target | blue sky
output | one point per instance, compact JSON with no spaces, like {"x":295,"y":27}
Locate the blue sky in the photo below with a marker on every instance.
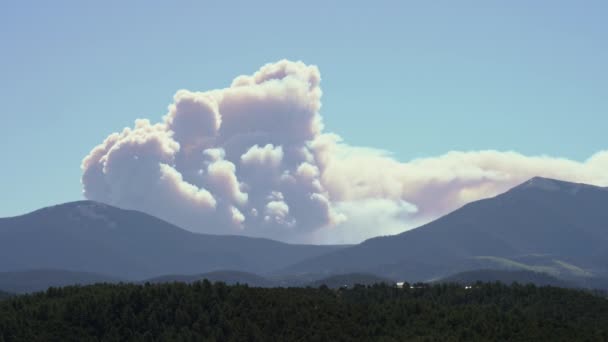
{"x":417,"y":78}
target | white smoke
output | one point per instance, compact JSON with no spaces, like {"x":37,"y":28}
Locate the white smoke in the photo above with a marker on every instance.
{"x":253,"y":159}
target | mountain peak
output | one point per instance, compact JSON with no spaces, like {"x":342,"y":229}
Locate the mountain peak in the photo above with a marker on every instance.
{"x":550,"y":184}
{"x":85,"y":207}
{"x":80,"y":204}
{"x":542,"y":183}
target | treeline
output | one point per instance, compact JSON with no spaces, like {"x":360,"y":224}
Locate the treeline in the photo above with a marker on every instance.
{"x":4,"y":295}
{"x":216,"y":312}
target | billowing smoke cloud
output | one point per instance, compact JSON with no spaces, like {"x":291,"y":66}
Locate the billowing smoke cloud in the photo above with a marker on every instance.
{"x":253,"y":159}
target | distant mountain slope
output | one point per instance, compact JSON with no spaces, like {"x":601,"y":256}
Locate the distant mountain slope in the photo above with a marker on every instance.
{"x":539,"y":263}
{"x":505,"y":277}
{"x":94,"y":237}
{"x":350,"y":279}
{"x":40,"y":280}
{"x":4,"y":295}
{"x":226,"y":276}
{"x":563,"y":221}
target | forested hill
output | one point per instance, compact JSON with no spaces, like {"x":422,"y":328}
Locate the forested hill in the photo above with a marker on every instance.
{"x":506,"y":277}
{"x":217,"y":312}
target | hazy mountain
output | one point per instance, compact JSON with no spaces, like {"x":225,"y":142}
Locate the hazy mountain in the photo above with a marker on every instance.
{"x":506,"y":277}
{"x":564,"y":222}
{"x":226,"y":276}
{"x":94,"y":237}
{"x":40,"y":280}
{"x":4,"y":295}
{"x":350,"y":279}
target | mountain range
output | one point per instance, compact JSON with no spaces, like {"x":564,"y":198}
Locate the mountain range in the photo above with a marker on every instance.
{"x":547,"y":226}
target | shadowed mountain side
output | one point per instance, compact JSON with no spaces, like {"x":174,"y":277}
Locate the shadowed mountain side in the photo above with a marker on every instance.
{"x":40,"y":280}
{"x":94,"y":237}
{"x":505,"y":277}
{"x":562,"y":220}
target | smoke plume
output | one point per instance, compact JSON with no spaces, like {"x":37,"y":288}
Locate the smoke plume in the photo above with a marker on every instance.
{"x":254,"y":159}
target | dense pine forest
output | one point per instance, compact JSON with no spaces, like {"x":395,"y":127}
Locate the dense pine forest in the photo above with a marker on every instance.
{"x":203,"y":311}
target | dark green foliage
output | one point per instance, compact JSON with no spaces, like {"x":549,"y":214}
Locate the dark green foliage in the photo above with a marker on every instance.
{"x":4,"y":295}
{"x":216,"y":312}
{"x":350,"y":279}
{"x":225,"y":276}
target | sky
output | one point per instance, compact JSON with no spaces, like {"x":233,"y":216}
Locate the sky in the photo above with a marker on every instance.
{"x":402,"y":79}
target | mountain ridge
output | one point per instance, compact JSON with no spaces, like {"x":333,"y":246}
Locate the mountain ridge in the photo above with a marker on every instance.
{"x":570,"y":225}
{"x":95,"y":237}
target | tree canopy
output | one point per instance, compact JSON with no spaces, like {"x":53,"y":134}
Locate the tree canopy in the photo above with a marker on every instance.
{"x":203,"y":311}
